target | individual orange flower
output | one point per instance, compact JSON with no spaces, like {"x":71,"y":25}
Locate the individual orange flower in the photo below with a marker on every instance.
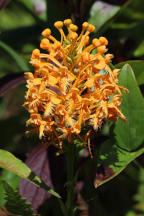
{"x":72,"y":86}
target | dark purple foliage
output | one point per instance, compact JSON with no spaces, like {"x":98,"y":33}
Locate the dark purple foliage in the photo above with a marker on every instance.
{"x":3,"y":3}
{"x":102,"y":174}
{"x":10,"y":81}
{"x":38,"y":162}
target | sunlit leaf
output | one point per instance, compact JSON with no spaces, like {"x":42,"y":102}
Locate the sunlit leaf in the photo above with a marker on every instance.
{"x":10,"y":178}
{"x":10,"y":162}
{"x":138,"y":68}
{"x":15,"y":203}
{"x":130,"y":135}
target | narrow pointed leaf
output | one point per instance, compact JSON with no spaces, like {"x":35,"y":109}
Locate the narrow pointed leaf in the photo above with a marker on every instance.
{"x":10,"y":81}
{"x":15,"y":203}
{"x":10,"y":178}
{"x":130,"y":135}
{"x":10,"y":162}
{"x":15,"y":56}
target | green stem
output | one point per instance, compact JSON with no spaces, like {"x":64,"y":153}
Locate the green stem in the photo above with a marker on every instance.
{"x":70,"y":157}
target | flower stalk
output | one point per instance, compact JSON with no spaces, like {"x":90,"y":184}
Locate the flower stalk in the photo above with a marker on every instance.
{"x":70,"y":159}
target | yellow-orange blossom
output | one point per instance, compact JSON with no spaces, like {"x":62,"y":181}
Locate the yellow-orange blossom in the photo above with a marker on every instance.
{"x":71,"y":87}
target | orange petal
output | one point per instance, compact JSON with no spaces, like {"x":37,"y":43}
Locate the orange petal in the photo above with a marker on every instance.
{"x":55,"y":100}
{"x":89,"y":83}
{"x":52,"y":80}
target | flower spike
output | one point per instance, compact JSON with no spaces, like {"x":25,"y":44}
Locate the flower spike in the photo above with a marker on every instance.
{"x":72,"y":86}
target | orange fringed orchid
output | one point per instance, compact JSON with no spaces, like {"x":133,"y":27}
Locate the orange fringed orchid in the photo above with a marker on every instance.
{"x":73,"y":85}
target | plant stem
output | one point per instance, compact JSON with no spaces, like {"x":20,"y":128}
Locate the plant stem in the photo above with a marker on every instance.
{"x":70,"y":157}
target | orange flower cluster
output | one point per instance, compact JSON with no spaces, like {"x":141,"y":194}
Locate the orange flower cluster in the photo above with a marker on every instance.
{"x":73,"y":85}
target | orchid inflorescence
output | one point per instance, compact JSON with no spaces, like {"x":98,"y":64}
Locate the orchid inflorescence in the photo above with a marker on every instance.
{"x":73,"y":85}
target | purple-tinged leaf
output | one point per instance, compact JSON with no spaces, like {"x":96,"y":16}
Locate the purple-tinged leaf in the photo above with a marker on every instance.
{"x":79,"y":186}
{"x":10,"y":81}
{"x":82,"y":205}
{"x":3,"y":3}
{"x":112,"y":160}
{"x":101,"y":12}
{"x":85,"y":153}
{"x":9,"y":162}
{"x":39,"y":6}
{"x":102,"y":174}
{"x":38,"y":162}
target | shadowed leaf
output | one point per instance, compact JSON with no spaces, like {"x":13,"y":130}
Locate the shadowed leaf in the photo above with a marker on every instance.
{"x":38,"y":162}
{"x":111,"y":161}
{"x":101,"y":12}
{"x":15,"y":56}
{"x":10,"y":81}
{"x":3,"y":3}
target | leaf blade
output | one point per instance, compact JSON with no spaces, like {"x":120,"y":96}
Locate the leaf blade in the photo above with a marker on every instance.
{"x":101,"y":12}
{"x":10,"y":178}
{"x":138,"y":68}
{"x":113,"y":161}
{"x":38,"y":162}
{"x":15,"y":56}
{"x":130,"y":135}
{"x":10,"y":162}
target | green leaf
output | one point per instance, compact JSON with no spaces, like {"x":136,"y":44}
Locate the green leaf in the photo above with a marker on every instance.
{"x":138,"y":68}
{"x":130,"y":213}
{"x":101,"y":12}
{"x":112,"y":160}
{"x":9,"y":17}
{"x":139,"y":51}
{"x":130,"y":135}
{"x":15,"y":56}
{"x":10,"y":162}
{"x":10,"y":178}
{"x":15,"y":203}
{"x":30,"y":8}
{"x":109,"y":13}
